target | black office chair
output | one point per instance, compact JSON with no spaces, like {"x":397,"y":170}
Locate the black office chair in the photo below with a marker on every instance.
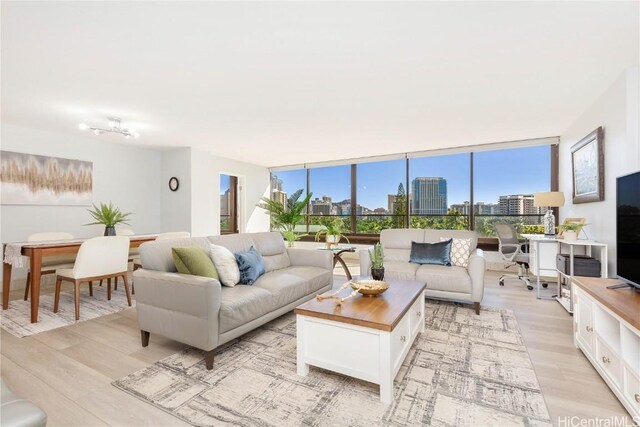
{"x":512,"y":250}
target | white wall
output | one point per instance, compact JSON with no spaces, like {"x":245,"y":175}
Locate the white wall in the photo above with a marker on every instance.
{"x":617,"y":112}
{"x":195,"y":207}
{"x":126,"y":175}
{"x":121,"y":174}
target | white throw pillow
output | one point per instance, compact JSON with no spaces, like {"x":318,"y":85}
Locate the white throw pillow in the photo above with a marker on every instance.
{"x":226,"y":265}
{"x":460,"y":251}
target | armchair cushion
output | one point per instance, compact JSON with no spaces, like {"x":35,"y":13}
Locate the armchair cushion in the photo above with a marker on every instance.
{"x":400,"y":270}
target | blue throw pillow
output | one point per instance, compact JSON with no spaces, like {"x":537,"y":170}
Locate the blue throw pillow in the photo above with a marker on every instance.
{"x":431,"y":253}
{"x":251,"y":266}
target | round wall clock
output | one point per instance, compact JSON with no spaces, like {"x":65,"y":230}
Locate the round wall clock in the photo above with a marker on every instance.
{"x":174,"y":183}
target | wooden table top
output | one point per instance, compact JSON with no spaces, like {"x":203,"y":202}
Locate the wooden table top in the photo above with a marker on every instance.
{"x":382,"y":312}
{"x":625,"y":302}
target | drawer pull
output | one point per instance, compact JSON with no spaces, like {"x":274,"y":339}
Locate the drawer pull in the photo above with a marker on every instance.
{"x":589,"y":329}
{"x":637,"y":397}
{"x":403,"y":338}
{"x":605,"y":359}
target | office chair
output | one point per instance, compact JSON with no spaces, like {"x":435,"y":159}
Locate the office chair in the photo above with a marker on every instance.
{"x":512,"y":250}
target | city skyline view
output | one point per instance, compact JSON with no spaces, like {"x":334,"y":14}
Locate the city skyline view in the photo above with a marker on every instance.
{"x":496,"y":173}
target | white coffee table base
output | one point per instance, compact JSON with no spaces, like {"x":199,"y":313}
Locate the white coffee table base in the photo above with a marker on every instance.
{"x":361,"y":352}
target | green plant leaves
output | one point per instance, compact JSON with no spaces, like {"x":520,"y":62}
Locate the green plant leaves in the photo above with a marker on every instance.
{"x":108,"y":215}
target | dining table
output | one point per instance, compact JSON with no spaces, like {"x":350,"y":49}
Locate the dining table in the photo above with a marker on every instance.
{"x":36,"y":251}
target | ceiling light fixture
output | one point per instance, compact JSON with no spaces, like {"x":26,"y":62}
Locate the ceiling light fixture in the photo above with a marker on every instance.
{"x":115,"y":126}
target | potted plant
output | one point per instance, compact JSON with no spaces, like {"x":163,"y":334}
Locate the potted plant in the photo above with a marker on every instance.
{"x":377,"y":262}
{"x":109,"y":216}
{"x":285,"y":216}
{"x":332,"y":232}
{"x":571,"y":230}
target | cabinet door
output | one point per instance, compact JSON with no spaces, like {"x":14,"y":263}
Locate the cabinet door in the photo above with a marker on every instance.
{"x":583,"y":312}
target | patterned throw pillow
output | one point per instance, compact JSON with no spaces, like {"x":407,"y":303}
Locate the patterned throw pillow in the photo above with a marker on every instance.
{"x":460,"y":251}
{"x":251,"y":266}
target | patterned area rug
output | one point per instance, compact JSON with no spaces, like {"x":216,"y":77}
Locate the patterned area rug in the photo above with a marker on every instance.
{"x":464,"y":370}
{"x":17,"y":319}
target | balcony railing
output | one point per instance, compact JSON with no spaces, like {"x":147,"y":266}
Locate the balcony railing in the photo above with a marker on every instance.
{"x":523,"y":223}
{"x":225,"y":224}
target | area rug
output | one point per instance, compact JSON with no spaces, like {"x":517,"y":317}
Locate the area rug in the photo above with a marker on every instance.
{"x":17,"y":318}
{"x":464,"y":370}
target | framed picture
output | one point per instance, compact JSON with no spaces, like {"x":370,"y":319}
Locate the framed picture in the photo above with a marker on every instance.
{"x":579,"y":221}
{"x":30,"y":179}
{"x":587,"y":166}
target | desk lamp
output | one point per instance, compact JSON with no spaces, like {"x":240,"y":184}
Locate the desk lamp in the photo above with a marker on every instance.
{"x":550,"y":199}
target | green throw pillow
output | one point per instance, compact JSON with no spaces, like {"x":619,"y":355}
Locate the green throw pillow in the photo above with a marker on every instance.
{"x":195,"y":261}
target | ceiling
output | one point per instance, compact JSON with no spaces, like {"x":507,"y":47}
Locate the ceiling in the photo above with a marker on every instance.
{"x":286,"y":83}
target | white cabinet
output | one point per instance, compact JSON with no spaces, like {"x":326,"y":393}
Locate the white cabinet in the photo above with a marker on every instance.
{"x":612,"y":346}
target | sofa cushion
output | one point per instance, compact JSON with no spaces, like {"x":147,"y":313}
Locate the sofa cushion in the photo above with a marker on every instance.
{"x":273,"y":250}
{"x":234,"y":242}
{"x":242,"y":304}
{"x":292,"y":283}
{"x":251,"y":266}
{"x":402,"y":270}
{"x":396,"y":243}
{"x":194,"y":260}
{"x":442,"y":278}
{"x":157,"y":255}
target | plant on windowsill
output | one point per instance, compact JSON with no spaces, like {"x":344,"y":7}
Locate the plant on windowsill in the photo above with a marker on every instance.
{"x":109,"y":216}
{"x":333,"y":233}
{"x":286,"y":216}
{"x":377,"y":262}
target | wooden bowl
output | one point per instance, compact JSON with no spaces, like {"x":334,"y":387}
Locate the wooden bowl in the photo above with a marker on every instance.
{"x":370,"y":288}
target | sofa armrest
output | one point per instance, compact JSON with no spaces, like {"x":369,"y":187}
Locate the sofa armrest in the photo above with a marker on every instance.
{"x":476,"y":269}
{"x":311,"y":258}
{"x":182,"y":307}
{"x":365,"y":261}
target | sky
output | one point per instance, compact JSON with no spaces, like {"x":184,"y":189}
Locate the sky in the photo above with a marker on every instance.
{"x":500,"y":172}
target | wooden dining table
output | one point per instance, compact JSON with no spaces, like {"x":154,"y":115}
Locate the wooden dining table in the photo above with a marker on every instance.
{"x":35,"y":252}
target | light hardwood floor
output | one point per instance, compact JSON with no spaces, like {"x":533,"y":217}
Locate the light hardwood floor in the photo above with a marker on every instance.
{"x":68,"y":371}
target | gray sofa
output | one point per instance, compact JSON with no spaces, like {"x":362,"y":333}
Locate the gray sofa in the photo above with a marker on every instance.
{"x":18,"y":412}
{"x":456,"y":283}
{"x":202,"y":313}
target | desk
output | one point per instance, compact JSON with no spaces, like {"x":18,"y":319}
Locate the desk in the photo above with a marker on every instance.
{"x":337,"y":251}
{"x":543,"y":254}
{"x":35,"y":252}
{"x":543,"y":251}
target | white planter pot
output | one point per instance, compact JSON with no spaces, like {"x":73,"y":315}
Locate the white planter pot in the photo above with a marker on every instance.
{"x":331,"y":238}
{"x":570,"y":235}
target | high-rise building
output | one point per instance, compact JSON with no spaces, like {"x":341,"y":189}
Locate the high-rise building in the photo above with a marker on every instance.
{"x":276,"y":184}
{"x":519,"y":204}
{"x":462,"y":208}
{"x":225,"y":203}
{"x":482,"y":208}
{"x":276,"y":191}
{"x":429,"y":196}
{"x":321,"y":206}
{"x":391,"y":202}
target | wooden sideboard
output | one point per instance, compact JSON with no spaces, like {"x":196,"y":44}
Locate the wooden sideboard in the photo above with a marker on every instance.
{"x":607,"y":329}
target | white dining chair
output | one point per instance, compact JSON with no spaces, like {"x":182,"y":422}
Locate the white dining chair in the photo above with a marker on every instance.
{"x":132,"y":252}
{"x":98,"y":258}
{"x":52,"y":263}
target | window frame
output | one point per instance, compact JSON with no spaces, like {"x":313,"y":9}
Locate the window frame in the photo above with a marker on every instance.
{"x":489,"y":243}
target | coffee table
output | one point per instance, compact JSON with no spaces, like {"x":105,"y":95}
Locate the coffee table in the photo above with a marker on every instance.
{"x":366,"y":337}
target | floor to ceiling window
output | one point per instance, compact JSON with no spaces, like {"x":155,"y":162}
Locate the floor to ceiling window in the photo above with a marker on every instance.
{"x":228,"y":204}
{"x":468,"y":190}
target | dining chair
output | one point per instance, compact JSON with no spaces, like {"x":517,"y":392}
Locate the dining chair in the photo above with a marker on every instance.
{"x":98,"y":258}
{"x":132,"y":252}
{"x":52,"y":263}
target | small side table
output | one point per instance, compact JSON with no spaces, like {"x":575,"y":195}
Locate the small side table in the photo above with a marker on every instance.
{"x":337,"y":258}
